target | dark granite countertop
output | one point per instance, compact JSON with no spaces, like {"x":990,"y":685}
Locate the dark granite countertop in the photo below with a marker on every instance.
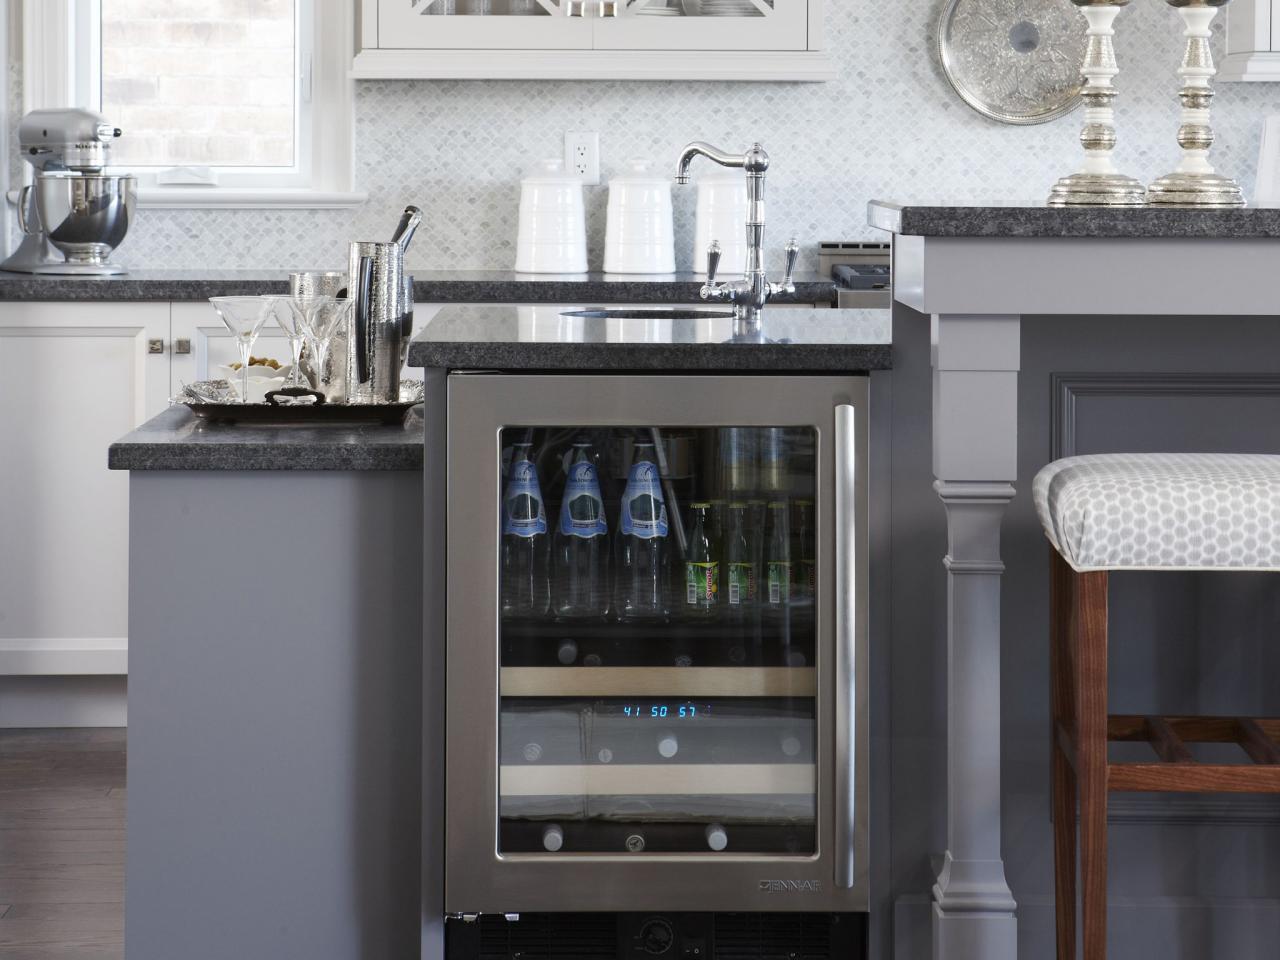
{"x":430,"y":286}
{"x":1100,"y":222}
{"x":544,"y":338}
{"x":178,"y":440}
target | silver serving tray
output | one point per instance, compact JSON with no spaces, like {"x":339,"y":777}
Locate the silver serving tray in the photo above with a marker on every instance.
{"x":213,"y":400}
{"x":1014,"y":61}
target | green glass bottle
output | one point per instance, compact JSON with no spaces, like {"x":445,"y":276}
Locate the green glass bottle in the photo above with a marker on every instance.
{"x":741,"y":573}
{"x":701,"y":568}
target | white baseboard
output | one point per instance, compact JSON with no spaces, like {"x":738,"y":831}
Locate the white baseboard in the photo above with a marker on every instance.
{"x":1239,"y":928}
{"x":57,"y":656}
{"x":63,"y":701}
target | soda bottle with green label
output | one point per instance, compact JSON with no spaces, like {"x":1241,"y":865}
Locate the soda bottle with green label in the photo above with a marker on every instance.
{"x":701,"y":568}
{"x":778,"y":576}
{"x":806,"y":565}
{"x":741,"y":573}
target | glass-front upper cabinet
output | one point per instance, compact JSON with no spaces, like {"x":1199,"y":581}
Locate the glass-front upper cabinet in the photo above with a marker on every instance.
{"x":593,"y":39}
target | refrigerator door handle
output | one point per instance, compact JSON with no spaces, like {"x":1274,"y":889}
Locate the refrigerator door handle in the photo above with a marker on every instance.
{"x":846,"y":630}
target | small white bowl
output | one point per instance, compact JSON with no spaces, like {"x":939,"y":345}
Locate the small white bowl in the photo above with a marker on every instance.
{"x":262,"y":380}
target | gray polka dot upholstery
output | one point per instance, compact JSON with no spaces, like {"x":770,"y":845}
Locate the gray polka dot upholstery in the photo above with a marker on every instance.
{"x":1167,"y":511}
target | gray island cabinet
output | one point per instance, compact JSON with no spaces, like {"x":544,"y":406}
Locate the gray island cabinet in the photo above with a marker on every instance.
{"x":275,"y":653}
{"x":1020,"y":336}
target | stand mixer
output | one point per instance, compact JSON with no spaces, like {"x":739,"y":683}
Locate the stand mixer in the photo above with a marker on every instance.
{"x":74,"y":214}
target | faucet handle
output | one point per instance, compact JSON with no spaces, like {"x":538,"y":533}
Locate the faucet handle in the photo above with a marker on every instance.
{"x":713,"y":261}
{"x":793,"y":253}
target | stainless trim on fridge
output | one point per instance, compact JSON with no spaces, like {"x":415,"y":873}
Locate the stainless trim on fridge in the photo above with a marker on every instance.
{"x":479,"y":878}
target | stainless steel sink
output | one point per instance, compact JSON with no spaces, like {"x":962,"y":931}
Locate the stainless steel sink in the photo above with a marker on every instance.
{"x":655,"y":313}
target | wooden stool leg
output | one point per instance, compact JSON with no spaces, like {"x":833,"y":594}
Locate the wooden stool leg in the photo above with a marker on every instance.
{"x":1090,"y":627}
{"x":1063,"y":770}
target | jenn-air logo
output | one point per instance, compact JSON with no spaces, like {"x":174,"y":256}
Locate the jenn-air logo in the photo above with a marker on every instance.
{"x":790,"y":886}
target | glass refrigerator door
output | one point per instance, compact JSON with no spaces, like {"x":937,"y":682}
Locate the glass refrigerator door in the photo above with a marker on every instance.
{"x":657,"y":640}
{"x":656,"y":643}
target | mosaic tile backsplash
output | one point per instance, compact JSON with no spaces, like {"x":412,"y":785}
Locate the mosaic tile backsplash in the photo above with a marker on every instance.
{"x":889,"y":127}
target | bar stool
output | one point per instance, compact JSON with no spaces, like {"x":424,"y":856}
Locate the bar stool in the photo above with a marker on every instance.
{"x":1139,"y":512}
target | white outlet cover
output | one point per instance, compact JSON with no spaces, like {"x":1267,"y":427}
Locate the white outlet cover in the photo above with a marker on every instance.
{"x":582,"y":155}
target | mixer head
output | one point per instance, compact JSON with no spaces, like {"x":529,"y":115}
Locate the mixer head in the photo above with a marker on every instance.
{"x":71,"y":139}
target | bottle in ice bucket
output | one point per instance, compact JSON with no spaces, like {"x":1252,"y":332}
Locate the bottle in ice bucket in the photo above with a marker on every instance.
{"x":580,"y":558}
{"x":641,"y":547}
{"x":741,"y":577}
{"x":525,"y":590}
{"x":701,"y":567}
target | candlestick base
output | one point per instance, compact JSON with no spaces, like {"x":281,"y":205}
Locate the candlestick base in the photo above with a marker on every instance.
{"x":1098,"y":190}
{"x":1203,"y":190}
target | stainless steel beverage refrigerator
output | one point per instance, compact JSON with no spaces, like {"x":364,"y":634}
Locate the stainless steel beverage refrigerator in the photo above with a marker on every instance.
{"x":655,"y":657}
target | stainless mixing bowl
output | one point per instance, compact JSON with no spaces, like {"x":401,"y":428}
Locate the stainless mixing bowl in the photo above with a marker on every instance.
{"x":86,"y":216}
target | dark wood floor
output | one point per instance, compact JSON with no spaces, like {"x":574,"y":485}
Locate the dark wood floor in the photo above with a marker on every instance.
{"x":62,"y":844}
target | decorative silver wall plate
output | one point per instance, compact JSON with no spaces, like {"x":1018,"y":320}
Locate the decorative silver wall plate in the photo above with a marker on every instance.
{"x":1016,"y":61}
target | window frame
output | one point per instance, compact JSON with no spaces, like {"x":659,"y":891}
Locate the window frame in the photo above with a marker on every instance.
{"x":60,"y":59}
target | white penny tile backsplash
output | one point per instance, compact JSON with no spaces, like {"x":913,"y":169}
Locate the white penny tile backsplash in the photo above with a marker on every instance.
{"x":889,"y":127}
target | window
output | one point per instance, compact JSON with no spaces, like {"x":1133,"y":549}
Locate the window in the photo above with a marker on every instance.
{"x":222,"y":102}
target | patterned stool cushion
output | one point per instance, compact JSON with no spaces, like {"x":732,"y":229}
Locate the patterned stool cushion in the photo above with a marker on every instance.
{"x":1168,"y":511}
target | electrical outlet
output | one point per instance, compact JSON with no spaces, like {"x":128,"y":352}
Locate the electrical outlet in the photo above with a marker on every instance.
{"x":582,"y":155}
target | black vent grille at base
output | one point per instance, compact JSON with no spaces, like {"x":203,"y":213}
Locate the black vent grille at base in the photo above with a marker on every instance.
{"x":755,"y":936}
{"x":659,"y":936}
{"x":549,"y":936}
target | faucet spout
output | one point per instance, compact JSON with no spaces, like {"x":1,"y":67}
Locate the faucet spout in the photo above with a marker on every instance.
{"x":714,"y":154}
{"x":750,"y":294}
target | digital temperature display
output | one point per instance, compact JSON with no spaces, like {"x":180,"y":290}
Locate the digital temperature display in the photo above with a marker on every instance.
{"x":666,"y":711}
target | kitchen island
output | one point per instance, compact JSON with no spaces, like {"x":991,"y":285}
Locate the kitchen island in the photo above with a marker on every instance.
{"x":299,"y":617}
{"x":1022,"y":335}
{"x":275,"y":671}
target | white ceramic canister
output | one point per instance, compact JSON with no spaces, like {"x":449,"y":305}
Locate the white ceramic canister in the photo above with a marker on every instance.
{"x":552,"y":236}
{"x":640,"y":233}
{"x":721,"y":215}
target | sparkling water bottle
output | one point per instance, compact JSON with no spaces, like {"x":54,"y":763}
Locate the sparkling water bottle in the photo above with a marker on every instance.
{"x":580,"y":564}
{"x":641,"y":546}
{"x":525,"y":588}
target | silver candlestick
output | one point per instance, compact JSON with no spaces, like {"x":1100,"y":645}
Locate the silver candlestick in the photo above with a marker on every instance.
{"x":1099,"y":183}
{"x":1194,"y":183}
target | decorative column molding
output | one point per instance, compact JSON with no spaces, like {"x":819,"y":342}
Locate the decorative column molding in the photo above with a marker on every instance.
{"x":976,"y":359}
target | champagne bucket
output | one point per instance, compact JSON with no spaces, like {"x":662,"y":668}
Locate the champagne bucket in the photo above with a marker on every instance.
{"x":381,"y":322}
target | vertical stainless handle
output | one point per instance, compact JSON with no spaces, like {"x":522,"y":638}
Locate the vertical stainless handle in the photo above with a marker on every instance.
{"x":846,"y":629}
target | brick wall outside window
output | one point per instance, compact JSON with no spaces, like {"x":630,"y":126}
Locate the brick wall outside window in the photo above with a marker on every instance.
{"x":200,"y":81}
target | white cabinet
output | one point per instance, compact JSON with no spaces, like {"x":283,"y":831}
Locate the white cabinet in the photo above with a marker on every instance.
{"x":593,"y":39}
{"x":1253,"y":41}
{"x":73,"y":378}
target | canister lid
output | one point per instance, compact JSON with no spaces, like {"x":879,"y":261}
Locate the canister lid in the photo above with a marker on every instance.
{"x":550,"y":170}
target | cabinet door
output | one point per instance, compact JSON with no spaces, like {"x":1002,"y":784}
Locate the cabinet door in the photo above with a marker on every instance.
{"x":73,"y":378}
{"x":705,"y":25}
{"x":212,"y":346}
{"x":453,"y":24}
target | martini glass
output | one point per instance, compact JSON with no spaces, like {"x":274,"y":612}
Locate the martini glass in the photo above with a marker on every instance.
{"x":322,"y":317}
{"x":287,"y":312}
{"x":244,"y":317}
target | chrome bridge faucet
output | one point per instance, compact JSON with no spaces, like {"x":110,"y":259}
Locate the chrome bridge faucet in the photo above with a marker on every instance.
{"x":750,"y":294}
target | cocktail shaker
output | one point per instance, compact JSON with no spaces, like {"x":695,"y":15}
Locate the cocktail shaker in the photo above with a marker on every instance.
{"x":381,"y":322}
